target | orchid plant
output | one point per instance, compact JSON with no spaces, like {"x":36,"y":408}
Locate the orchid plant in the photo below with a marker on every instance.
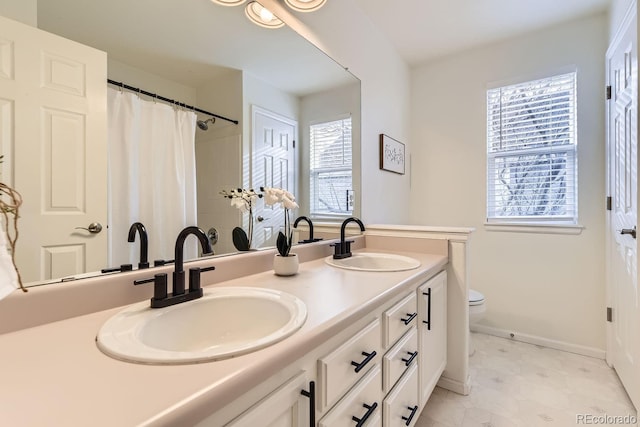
{"x":244,"y":200}
{"x":273,"y":196}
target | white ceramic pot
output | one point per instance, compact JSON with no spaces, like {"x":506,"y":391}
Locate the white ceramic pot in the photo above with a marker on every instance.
{"x":285,"y":266}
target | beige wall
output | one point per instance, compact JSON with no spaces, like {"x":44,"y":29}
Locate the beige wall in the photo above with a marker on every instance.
{"x":617,"y":11}
{"x":545,"y":285}
{"x":25,"y":11}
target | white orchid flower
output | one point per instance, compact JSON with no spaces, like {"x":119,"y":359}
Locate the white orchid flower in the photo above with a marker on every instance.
{"x":239,"y":203}
{"x":289,"y":204}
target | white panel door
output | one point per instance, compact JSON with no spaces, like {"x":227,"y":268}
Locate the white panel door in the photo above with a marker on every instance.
{"x":624,"y":333}
{"x":53,"y":136}
{"x":273,"y":166}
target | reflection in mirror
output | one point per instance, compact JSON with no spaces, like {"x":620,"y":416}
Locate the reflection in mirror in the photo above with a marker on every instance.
{"x":273,"y":82}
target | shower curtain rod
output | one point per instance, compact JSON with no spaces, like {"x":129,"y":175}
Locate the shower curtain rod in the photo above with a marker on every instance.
{"x":171,"y":101}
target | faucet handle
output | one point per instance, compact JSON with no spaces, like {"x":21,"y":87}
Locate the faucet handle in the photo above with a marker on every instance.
{"x":159,"y":289}
{"x":194,"y":278}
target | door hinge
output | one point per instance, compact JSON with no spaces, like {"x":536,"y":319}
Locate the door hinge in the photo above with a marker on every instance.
{"x":609,"y":92}
{"x":294,"y":143}
{"x":609,"y":314}
{"x":609,"y":202}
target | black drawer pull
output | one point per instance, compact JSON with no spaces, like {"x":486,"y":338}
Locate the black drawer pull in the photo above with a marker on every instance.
{"x":428,"y":321}
{"x":367,"y":359}
{"x":360,"y":421}
{"x":410,"y":318}
{"x":311,"y":394}
{"x":408,"y":361}
{"x":410,"y":417}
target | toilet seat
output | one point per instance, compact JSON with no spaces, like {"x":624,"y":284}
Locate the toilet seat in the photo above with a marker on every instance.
{"x":475,"y":297}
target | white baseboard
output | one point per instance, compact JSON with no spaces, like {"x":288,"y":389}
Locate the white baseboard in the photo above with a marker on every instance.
{"x":545,"y":342}
{"x":455,"y":385}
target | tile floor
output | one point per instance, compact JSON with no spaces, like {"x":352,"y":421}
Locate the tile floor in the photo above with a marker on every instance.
{"x":522,"y":385}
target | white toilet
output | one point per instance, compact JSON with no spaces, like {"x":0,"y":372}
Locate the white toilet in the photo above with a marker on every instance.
{"x":477,"y":309}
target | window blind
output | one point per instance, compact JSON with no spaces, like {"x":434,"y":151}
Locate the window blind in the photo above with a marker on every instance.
{"x":331,"y":168}
{"x":531,"y":151}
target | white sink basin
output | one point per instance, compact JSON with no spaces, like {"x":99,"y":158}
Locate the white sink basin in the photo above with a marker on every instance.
{"x":225,"y":322}
{"x":373,"y":261}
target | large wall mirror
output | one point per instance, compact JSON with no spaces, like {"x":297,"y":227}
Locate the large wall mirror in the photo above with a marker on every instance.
{"x":199,"y":54}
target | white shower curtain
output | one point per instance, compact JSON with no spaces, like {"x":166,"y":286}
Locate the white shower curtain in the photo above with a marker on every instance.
{"x":152,"y":176}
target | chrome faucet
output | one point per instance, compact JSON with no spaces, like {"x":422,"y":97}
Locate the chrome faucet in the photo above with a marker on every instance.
{"x":343,"y":249}
{"x":308,"y":221}
{"x":144,"y":243}
{"x":160,"y":297}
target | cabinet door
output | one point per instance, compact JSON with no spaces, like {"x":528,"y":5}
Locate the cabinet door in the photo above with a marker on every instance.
{"x":284,"y":407}
{"x":432,"y":337}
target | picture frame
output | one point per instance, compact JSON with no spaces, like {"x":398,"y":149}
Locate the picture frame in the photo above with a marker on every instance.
{"x":392,"y":155}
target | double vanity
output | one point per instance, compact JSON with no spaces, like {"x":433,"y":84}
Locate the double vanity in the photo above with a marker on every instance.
{"x":353,"y":342}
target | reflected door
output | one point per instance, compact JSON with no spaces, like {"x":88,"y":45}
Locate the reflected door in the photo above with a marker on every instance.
{"x":624,"y":332}
{"x":273,"y":166}
{"x":53,"y":137}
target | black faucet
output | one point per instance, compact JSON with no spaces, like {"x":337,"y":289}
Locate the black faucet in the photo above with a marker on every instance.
{"x":144,"y":242}
{"x":160,"y":297}
{"x":343,"y":249}
{"x":308,"y":221}
{"x":178,"y":274}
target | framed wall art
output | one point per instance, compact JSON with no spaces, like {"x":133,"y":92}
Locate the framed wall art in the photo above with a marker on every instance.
{"x":391,"y":154}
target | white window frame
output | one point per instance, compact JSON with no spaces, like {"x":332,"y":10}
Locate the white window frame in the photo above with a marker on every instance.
{"x":327,"y":216}
{"x":546,"y":223}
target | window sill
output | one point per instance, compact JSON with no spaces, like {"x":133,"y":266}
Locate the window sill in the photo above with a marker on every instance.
{"x":573,"y":229}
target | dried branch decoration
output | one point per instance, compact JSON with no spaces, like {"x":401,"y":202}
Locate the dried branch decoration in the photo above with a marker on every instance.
{"x":10,"y":207}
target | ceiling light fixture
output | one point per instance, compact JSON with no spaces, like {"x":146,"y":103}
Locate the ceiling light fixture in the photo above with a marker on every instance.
{"x":229,"y":2}
{"x":262,"y":16}
{"x":305,"y":5}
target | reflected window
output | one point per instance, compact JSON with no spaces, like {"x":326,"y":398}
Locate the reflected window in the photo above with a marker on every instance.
{"x":331,"y":169}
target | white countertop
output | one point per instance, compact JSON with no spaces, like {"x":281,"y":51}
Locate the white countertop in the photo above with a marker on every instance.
{"x":54,"y":375}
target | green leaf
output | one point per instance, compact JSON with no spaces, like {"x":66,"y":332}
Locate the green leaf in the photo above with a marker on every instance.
{"x":240,"y":239}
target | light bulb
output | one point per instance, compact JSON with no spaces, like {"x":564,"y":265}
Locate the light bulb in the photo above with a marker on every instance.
{"x":262,"y":16}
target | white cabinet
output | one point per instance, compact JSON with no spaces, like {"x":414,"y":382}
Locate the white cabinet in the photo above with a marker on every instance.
{"x":400,"y":407}
{"x":379,"y":374}
{"x":286,"y":406}
{"x":361,"y":406}
{"x":399,"y":319}
{"x":341,"y":368}
{"x":402,"y":355}
{"x":432,"y":333}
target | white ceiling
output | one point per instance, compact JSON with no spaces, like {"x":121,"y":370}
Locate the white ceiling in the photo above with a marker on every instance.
{"x":190,"y":41}
{"x":425,"y":29}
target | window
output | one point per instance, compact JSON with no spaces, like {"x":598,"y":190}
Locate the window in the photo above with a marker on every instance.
{"x":331,"y":191}
{"x":531,"y":151}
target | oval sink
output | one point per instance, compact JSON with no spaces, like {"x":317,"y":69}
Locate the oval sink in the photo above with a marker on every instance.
{"x":225,"y":322}
{"x":372,"y":261}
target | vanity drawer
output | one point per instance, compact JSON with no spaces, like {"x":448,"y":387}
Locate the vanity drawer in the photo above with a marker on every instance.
{"x":400,"y":408}
{"x":397,"y":360}
{"x":362,"y":401}
{"x":398,"y":319}
{"x":341,"y":368}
